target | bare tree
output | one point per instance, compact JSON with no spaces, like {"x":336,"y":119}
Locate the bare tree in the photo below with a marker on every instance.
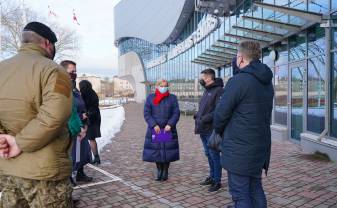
{"x":15,"y":16}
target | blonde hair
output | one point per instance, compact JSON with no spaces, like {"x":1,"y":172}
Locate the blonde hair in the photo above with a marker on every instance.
{"x":250,"y":49}
{"x":161,"y":81}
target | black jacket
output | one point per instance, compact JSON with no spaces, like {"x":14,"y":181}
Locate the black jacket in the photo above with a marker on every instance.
{"x":204,"y":116}
{"x":92,"y":104}
{"x":243,"y":116}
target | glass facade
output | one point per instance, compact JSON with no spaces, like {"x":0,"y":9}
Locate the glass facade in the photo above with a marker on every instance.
{"x":298,"y":61}
{"x":297,"y":96}
{"x":280,"y":83}
{"x":333,"y":120}
{"x":147,"y":51}
{"x":334,"y":96}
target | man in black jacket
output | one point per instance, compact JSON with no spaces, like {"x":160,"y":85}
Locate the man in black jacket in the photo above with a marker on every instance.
{"x":204,"y":124}
{"x":243,"y":118}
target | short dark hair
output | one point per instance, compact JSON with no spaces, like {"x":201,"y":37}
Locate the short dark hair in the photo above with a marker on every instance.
{"x":251,"y":49}
{"x":66,"y":63}
{"x":209,"y":71}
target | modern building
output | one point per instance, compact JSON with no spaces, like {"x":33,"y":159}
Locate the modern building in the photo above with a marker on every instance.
{"x":177,"y":39}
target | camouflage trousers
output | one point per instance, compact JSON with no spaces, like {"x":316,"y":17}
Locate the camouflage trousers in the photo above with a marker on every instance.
{"x":22,"y":193}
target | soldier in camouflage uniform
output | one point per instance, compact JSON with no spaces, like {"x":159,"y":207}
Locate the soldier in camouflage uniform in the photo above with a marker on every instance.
{"x":35,"y":105}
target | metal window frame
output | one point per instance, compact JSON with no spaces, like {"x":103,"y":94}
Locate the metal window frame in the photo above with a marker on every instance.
{"x":311,"y":16}
{"x":228,"y":42}
{"x":224,"y":48}
{"x":282,"y":25}
{"x":209,"y":61}
{"x":261,"y":41}
{"x":205,"y":64}
{"x":217,"y":55}
{"x":212,"y":58}
{"x":270,"y":35}
{"x":221,"y":51}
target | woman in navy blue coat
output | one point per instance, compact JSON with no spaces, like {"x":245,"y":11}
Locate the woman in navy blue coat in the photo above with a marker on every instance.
{"x":161,"y":113}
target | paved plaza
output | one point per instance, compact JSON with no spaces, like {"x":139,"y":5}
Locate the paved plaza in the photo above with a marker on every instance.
{"x":124,"y":180}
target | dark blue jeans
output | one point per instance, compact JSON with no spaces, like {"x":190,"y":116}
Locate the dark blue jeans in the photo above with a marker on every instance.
{"x":213,"y":157}
{"x":246,"y":191}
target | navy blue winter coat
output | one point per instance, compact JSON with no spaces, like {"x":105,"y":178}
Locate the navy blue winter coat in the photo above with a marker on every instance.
{"x":165,"y":113}
{"x":243,"y":116}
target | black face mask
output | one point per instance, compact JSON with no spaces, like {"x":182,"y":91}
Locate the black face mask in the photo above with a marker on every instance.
{"x":202,"y":82}
{"x":52,"y":56}
{"x":73,"y":76}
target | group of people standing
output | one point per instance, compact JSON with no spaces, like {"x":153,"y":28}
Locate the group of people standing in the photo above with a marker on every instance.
{"x":43,"y":114}
{"x":38,"y":115}
{"x":84,"y":124}
{"x":239,"y":113}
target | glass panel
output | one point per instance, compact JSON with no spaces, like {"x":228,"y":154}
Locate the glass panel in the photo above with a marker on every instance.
{"x":297,"y":45}
{"x":281,"y":92}
{"x":299,"y":4}
{"x":316,"y":94}
{"x":282,"y":3}
{"x":316,"y":41}
{"x":334,"y":97}
{"x":319,"y":6}
{"x":334,"y":4}
{"x":334,"y":38}
{"x":297,"y":83}
{"x":266,"y":57}
{"x":269,"y":1}
{"x":282,"y":53}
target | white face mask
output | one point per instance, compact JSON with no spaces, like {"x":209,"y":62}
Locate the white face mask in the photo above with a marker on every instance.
{"x":163,"y":90}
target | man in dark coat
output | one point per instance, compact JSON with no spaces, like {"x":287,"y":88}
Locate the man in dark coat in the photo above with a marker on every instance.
{"x":243,"y":117}
{"x":81,"y":151}
{"x":204,"y":125}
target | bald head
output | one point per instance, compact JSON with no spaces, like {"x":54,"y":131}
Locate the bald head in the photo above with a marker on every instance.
{"x":31,"y":37}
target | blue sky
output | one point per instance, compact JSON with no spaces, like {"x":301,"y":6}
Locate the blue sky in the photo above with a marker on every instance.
{"x":96,"y":31}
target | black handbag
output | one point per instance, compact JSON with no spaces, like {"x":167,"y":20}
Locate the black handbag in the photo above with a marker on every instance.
{"x":214,"y":141}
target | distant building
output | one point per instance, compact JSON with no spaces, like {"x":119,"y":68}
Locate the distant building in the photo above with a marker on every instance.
{"x":95,"y":81}
{"x":107,"y":87}
{"x":122,"y":87}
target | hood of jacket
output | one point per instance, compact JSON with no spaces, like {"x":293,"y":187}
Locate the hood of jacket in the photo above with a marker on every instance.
{"x":218,"y":82}
{"x":259,"y":70}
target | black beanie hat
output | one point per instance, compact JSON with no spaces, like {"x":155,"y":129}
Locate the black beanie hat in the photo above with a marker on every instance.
{"x":41,"y":29}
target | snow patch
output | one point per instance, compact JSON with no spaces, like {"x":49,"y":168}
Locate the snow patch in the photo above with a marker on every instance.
{"x":112,"y":121}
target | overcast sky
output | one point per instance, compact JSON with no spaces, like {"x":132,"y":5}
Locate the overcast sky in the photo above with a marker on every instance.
{"x":97,"y":51}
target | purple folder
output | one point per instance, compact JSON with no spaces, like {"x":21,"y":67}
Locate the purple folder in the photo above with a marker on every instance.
{"x":162,"y":136}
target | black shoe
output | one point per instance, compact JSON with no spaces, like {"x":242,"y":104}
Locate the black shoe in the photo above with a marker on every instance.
{"x":214,"y":187}
{"x":83,"y":177}
{"x":207,"y":181}
{"x":230,"y":206}
{"x":159,"y":171}
{"x":165,"y":171}
{"x":73,"y":181}
{"x":75,"y":201}
{"x":97,"y":160}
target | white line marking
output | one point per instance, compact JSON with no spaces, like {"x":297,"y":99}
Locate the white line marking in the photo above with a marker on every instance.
{"x":134,"y":187}
{"x":93,"y":184}
{"x":104,"y":172}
